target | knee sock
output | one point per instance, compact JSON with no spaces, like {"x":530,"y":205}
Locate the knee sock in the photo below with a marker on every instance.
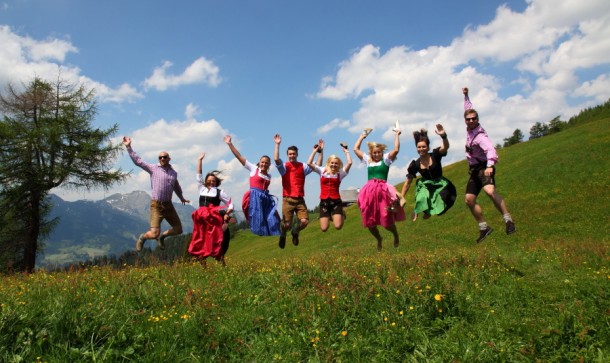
{"x":483,"y":226}
{"x":507,"y":218}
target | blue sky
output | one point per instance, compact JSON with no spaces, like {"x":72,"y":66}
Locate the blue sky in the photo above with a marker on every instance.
{"x":178,"y":76}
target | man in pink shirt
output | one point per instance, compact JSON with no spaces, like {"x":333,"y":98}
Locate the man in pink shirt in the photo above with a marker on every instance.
{"x":482,"y":157}
{"x":164,"y":182}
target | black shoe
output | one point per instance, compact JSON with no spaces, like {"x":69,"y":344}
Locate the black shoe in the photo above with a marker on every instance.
{"x":510,"y":227}
{"x":282,"y":243}
{"x":162,"y":242}
{"x":295,"y":238}
{"x":484,"y":233}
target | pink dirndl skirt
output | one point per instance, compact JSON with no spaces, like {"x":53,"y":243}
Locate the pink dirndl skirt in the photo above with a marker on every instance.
{"x":379,"y":204}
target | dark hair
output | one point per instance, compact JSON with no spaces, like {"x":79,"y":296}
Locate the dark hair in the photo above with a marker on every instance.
{"x":264,"y":156}
{"x":421,"y":135}
{"x":469,"y":111}
{"x":215,"y":174}
{"x":296,"y":149}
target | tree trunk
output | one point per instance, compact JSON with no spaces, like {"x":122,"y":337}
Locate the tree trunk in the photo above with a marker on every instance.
{"x":32,"y":232}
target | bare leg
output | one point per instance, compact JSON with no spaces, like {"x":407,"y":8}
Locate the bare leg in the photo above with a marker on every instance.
{"x":338,"y":221}
{"x":498,"y":201}
{"x":394,"y":232}
{"x":375,"y":232}
{"x":324,"y":223}
{"x":475,"y":208}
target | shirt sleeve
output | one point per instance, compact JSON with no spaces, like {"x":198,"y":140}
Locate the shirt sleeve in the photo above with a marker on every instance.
{"x":412,"y":170}
{"x":281,"y":168}
{"x":306,"y":169}
{"x":467,"y":103}
{"x":318,"y":169}
{"x":178,"y":189}
{"x":138,"y":160}
{"x":224,"y":197}
{"x":484,"y":142}
{"x":387,"y":160}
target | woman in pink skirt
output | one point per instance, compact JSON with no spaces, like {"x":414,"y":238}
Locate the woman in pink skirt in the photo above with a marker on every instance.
{"x":378,"y":201}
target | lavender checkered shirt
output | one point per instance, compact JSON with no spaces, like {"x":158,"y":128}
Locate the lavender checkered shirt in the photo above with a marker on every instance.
{"x":163,"y":180}
{"x":482,"y":150}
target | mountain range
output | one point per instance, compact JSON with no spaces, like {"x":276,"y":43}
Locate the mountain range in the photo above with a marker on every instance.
{"x":110,"y":226}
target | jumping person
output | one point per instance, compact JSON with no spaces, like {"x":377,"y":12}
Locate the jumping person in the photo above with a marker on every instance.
{"x":482,"y":158}
{"x":164,"y":182}
{"x":331,"y":175}
{"x":260,"y":207}
{"x":378,"y":201}
{"x":293,"y":175}
{"x":211,"y":234}
{"x":434,"y":194}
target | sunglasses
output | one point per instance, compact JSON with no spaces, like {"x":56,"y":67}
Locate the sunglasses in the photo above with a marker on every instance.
{"x":471,"y":118}
{"x":161,"y":157}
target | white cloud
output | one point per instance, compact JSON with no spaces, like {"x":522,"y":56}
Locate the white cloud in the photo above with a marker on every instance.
{"x":550,"y":49}
{"x":123,"y":93}
{"x":333,"y":124}
{"x":200,"y":71}
{"x":22,"y":58}
{"x":596,"y":89}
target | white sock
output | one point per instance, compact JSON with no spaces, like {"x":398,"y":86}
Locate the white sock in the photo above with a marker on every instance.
{"x":483,"y":226}
{"x":507,"y":218}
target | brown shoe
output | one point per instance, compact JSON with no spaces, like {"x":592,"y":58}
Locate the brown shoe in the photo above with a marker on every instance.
{"x":140,"y":242}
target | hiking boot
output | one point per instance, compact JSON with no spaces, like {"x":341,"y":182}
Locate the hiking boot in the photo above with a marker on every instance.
{"x":484,"y":233}
{"x":510,"y":227}
{"x":162,"y":241}
{"x":140,"y":242}
{"x":282,"y":243}
{"x":295,"y":238}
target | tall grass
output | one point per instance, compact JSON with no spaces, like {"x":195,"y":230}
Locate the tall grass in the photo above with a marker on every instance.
{"x":541,"y":294}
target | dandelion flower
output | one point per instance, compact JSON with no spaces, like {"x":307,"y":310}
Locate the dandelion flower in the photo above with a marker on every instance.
{"x":344,"y":333}
{"x":438,"y":297}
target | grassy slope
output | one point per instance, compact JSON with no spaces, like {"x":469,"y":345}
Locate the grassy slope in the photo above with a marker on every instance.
{"x":555,"y":188}
{"x":538,"y":295}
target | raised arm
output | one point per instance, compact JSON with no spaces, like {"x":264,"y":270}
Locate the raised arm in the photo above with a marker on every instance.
{"x":199,"y":162}
{"x":392,"y":155}
{"x":348,"y":158}
{"x":314,"y":151}
{"x":276,"y":151}
{"x":241,"y":159}
{"x":440,"y":131}
{"x":357,"y":150}
{"x":135,"y":157}
{"x":467,"y":103}
{"x":320,"y":152}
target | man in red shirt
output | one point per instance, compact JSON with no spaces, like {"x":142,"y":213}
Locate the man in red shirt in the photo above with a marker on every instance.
{"x":293,"y":175}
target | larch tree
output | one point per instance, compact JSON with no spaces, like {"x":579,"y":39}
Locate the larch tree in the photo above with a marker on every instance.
{"x":47,"y":141}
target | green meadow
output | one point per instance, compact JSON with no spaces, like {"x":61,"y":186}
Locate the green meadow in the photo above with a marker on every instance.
{"x":539,"y":295}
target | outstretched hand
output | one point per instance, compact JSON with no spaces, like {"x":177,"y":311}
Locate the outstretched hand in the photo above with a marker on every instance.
{"x":277,"y":138}
{"x":227,"y":139}
{"x":202,"y":156}
{"x":440,"y":130}
{"x":465,"y":91}
{"x":126,"y":140}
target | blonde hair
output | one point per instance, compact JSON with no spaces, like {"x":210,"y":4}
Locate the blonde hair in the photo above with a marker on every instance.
{"x":374,"y":145}
{"x":327,"y":166}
